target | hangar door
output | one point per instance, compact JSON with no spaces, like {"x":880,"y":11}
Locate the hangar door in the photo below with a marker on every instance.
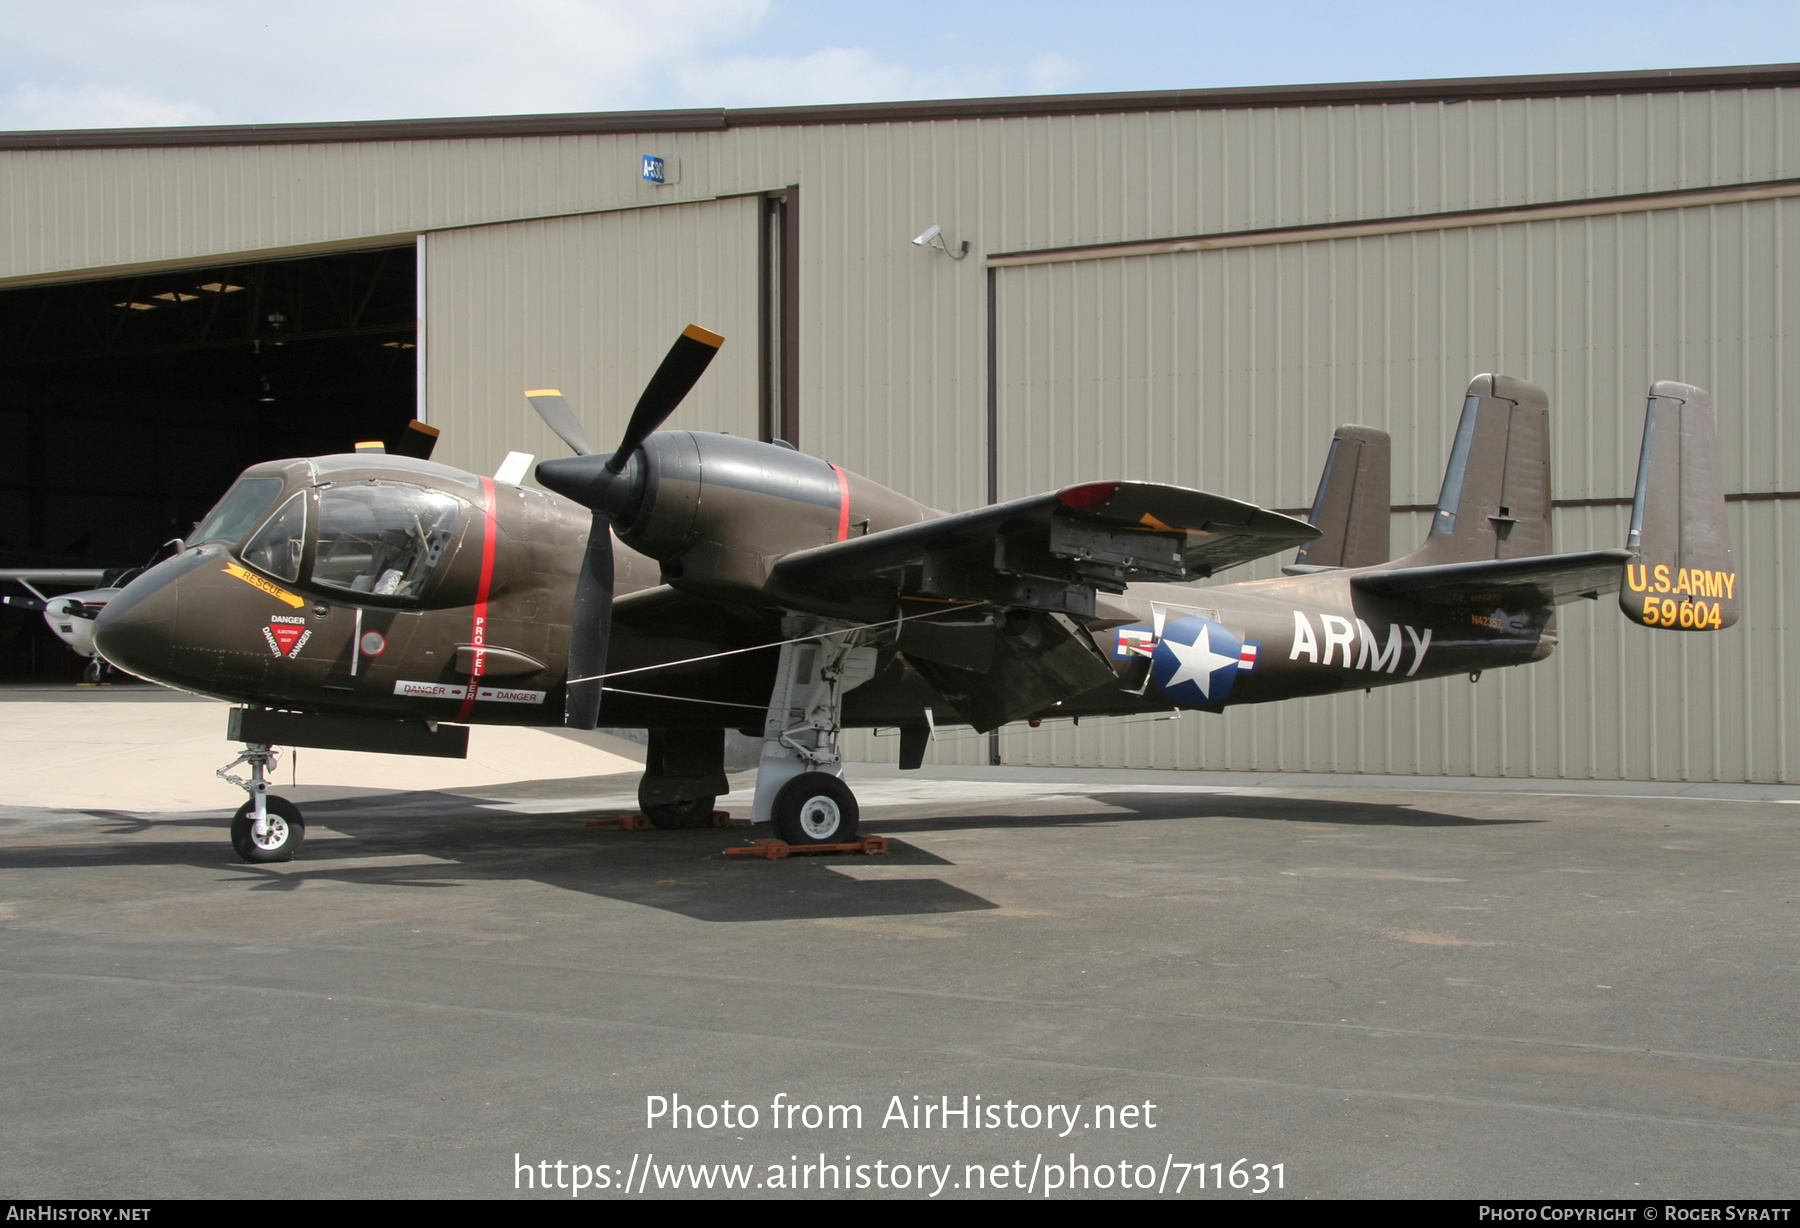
{"x":588,"y":304}
{"x":1227,"y":370}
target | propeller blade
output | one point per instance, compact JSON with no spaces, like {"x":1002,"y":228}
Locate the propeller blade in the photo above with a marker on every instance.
{"x":24,"y":603}
{"x":681,"y":367}
{"x":590,"y":627}
{"x":417,"y":441}
{"x":560,"y":418}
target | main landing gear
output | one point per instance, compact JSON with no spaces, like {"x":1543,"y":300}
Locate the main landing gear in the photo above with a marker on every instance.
{"x":265,"y":828}
{"x":799,"y":779}
{"x":684,"y":774}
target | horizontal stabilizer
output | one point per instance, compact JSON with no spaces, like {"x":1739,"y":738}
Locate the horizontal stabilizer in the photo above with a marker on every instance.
{"x":1039,"y":551}
{"x":1541,"y":580}
{"x":1682,"y":575}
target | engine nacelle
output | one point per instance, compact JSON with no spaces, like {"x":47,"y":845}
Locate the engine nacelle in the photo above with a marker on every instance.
{"x":707,"y":490}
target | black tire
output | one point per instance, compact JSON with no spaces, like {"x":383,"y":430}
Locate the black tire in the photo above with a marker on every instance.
{"x":681,"y":816}
{"x":816,"y":808}
{"x":286,"y":828}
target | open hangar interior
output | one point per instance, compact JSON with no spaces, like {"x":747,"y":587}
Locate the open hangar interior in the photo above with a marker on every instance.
{"x":1192,"y":287}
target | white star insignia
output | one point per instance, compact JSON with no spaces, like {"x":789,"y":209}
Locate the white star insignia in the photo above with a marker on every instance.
{"x":1198,"y":661}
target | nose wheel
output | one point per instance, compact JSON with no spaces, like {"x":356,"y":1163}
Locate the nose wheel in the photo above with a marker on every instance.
{"x":266,"y":828}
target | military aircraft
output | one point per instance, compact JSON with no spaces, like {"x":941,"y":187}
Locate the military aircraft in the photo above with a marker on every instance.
{"x":687,"y":583}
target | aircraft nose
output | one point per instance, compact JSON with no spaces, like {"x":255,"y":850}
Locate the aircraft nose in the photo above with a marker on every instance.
{"x":136,"y":630}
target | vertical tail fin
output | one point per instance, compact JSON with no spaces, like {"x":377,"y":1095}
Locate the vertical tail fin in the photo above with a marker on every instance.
{"x":1684,"y":576}
{"x":1351,"y":506}
{"x":1495,"y":502}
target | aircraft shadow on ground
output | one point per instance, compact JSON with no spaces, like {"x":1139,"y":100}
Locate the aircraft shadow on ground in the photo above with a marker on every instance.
{"x":684,"y":872}
{"x":1164,"y":806}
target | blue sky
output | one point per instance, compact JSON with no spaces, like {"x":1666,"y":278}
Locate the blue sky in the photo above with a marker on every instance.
{"x":108,"y":63}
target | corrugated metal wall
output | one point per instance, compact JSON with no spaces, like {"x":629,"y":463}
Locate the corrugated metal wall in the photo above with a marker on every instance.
{"x":1264,"y":349}
{"x":589,"y":305}
{"x":1228,"y":371}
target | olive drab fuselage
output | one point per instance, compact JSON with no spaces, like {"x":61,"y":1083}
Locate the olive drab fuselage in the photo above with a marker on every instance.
{"x":474,"y":622}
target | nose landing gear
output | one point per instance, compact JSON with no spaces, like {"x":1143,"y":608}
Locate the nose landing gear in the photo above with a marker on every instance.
{"x":266,"y":828}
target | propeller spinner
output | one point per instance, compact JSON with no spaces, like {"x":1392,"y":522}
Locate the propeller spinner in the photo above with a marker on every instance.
{"x":610,"y":486}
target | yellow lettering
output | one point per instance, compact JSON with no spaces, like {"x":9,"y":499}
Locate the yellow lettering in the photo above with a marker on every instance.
{"x":1718,"y":615}
{"x":1681,"y":581}
{"x":1639,"y":582}
{"x":1652,"y":612}
{"x":1686,"y":615}
{"x":1730,"y":584}
{"x":1662,"y":577}
{"x":256,"y":581}
{"x":1715,"y":584}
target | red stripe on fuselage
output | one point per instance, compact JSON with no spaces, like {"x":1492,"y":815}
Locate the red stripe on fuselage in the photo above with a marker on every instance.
{"x":843,"y":502}
{"x":478,"y":632}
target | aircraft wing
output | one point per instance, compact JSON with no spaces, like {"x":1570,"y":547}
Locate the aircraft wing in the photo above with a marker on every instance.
{"x":87,"y":577}
{"x":1051,"y":551}
{"x":1537,"y":579}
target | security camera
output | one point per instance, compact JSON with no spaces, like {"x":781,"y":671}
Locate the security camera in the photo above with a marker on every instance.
{"x":934,"y":237}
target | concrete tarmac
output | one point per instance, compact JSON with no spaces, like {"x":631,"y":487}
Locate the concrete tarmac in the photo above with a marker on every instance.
{"x":1388,"y":987}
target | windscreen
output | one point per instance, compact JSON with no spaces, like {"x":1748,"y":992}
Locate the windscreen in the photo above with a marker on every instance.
{"x":242,"y":506}
{"x":277,"y":546}
{"x":383,"y":538}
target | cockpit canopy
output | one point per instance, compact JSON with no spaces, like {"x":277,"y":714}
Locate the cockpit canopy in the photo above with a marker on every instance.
{"x":374,"y":538}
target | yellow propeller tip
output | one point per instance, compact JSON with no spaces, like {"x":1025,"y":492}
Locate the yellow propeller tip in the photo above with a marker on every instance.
{"x":703,"y":336}
{"x":544,"y":392}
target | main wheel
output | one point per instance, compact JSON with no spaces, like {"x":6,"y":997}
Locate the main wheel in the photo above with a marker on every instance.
{"x":816,"y":808}
{"x":681,"y":816}
{"x":280,"y":843}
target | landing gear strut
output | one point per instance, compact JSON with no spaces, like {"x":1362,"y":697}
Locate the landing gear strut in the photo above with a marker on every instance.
{"x":799,"y":780}
{"x":684,"y":773}
{"x":265,"y":828}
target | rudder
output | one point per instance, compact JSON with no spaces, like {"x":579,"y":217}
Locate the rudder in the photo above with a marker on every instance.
{"x":1684,"y":578}
{"x":1351,"y":506}
{"x":1495,"y":501}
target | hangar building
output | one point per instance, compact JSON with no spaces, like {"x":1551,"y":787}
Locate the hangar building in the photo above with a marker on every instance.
{"x":1192,"y":286}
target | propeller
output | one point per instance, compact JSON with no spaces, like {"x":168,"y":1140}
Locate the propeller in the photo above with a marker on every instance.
{"x":610,"y":486}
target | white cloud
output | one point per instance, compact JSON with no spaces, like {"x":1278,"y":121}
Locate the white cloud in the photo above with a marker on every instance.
{"x":28,"y":105}
{"x":253,"y":60}
{"x":831,"y":74}
{"x":1051,"y":73}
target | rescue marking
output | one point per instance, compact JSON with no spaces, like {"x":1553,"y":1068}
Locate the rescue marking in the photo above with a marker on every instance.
{"x":255,"y":581}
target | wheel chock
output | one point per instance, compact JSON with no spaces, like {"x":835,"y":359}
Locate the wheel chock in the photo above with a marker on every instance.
{"x":774,"y":850}
{"x":721,"y":818}
{"x":630,"y":822}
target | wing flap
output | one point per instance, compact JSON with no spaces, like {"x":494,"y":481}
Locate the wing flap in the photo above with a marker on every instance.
{"x":1536,"y":580}
{"x":1052,"y":551}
